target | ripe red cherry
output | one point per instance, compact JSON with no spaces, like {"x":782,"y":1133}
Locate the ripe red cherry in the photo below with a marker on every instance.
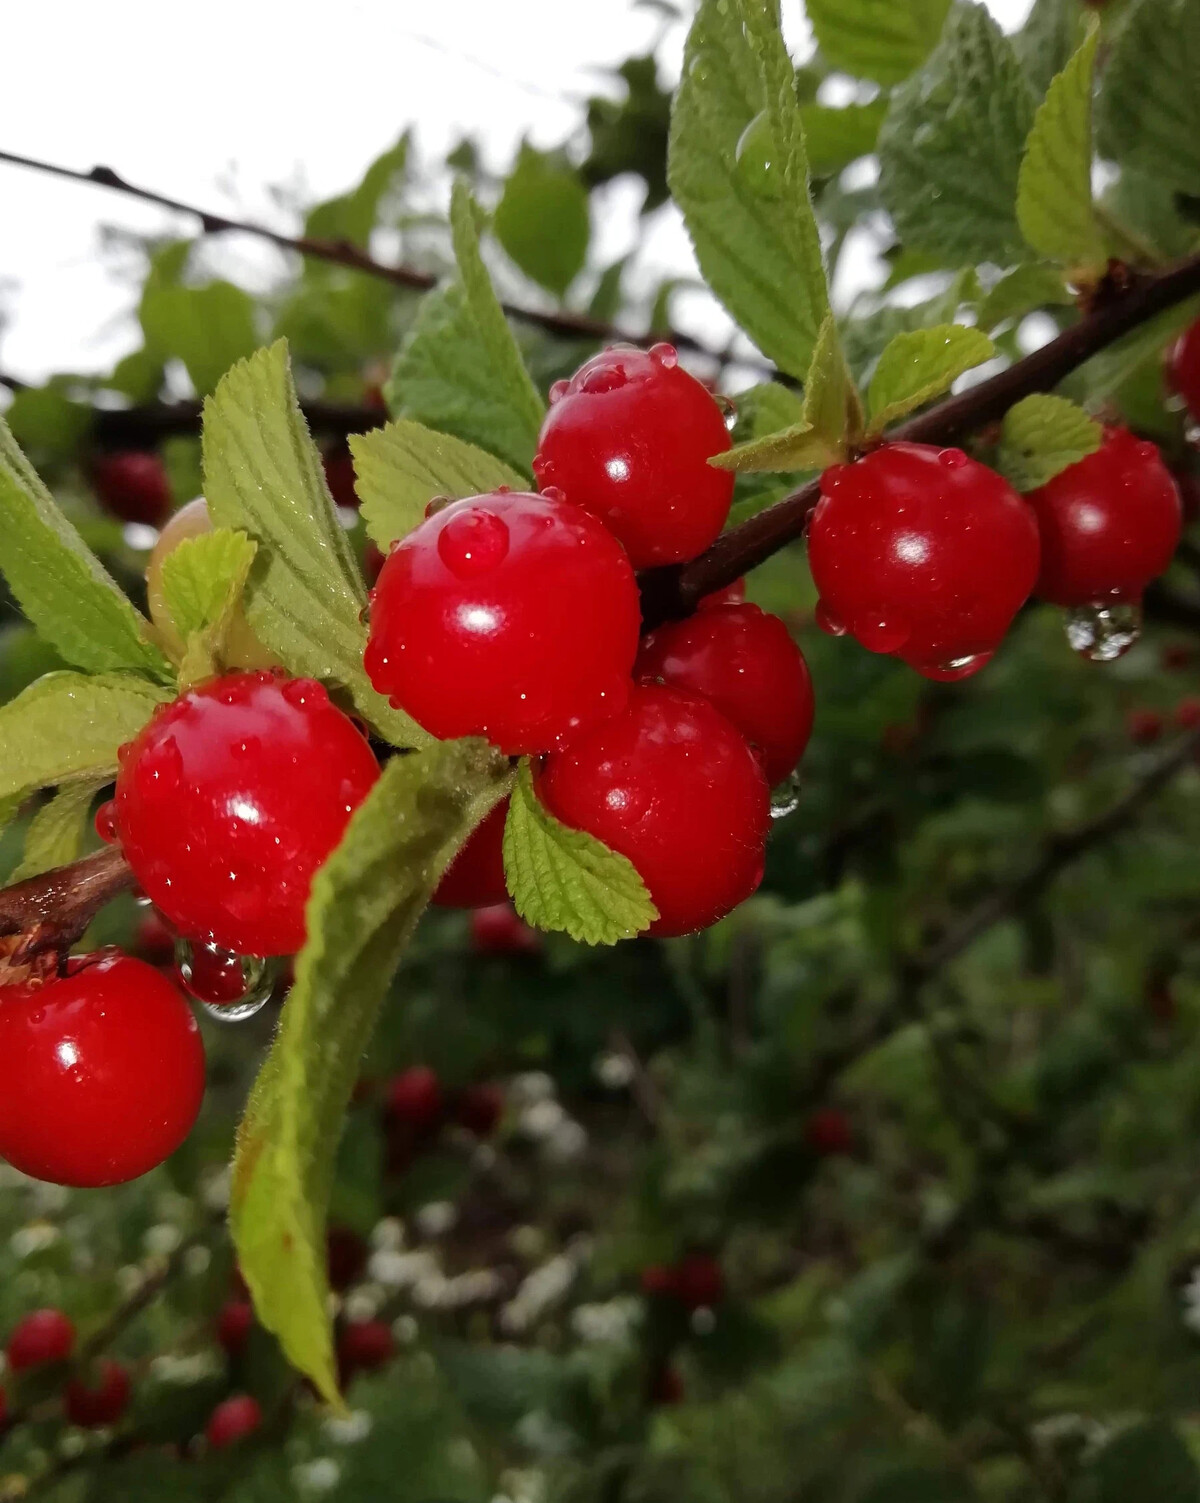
{"x":1183,"y":368}
{"x":734,"y":594}
{"x":479,"y":1108}
{"x":1109,"y":524}
{"x":510,"y":616}
{"x":828,"y":1131}
{"x":230,"y":799}
{"x":922,"y":553}
{"x":699,"y":1281}
{"x":234,"y":1325}
{"x":499,"y":929}
{"x":232,"y":1421}
{"x":629,"y":437}
{"x":671,"y":785}
{"x":133,"y":486}
{"x":475,"y":878}
{"x":1144,"y":727}
{"x":745,"y":662}
{"x":41,"y":1337}
{"x":364,"y":1346}
{"x":415,"y":1097}
{"x":103,"y":1072}
{"x":340,"y":478}
{"x":102,"y":1403}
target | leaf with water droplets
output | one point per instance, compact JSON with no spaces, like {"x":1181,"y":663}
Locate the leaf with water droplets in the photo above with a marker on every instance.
{"x":56,"y":832}
{"x":918,"y":366}
{"x":566,"y":879}
{"x":1041,"y":436}
{"x":402,"y":467}
{"x":364,"y":905}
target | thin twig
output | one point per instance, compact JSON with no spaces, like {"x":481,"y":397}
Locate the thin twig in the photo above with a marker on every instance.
{"x":53,"y":910}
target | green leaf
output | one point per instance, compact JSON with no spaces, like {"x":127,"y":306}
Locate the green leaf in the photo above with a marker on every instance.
{"x":59,"y":584}
{"x":208,"y":328}
{"x":916,"y":367}
{"x":402,"y":467}
{"x":1054,"y":190}
{"x":364,"y":905}
{"x":56,"y":832}
{"x":1149,"y":109}
{"x":305,"y":596}
{"x":460,"y":369}
{"x":878,"y":39}
{"x":1043,"y":435}
{"x":1149,"y":1462}
{"x":565,"y":879}
{"x":1046,"y":42}
{"x":69,"y":725}
{"x":542,"y":219}
{"x":950,"y":148}
{"x":1021,"y":291}
{"x":837,"y":137}
{"x":739,"y":173}
{"x":352,"y":216}
{"x":48,"y":423}
{"x":832,"y":418}
{"x":203,"y":578}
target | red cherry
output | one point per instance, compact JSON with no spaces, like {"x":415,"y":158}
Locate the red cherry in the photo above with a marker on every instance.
{"x":734,"y":594}
{"x":103,"y":1403}
{"x":232,"y":1421}
{"x":922,"y":553}
{"x":338,"y":465}
{"x":828,"y":1131}
{"x":479,"y":1108}
{"x":498,"y":929}
{"x":1183,"y":368}
{"x":230,"y":799}
{"x":510,"y":616}
{"x":234,"y":1325}
{"x":103,"y":1072}
{"x":153,"y":941}
{"x":415,"y":1097}
{"x":475,"y":878}
{"x":1144,"y":727}
{"x":106,"y":822}
{"x":1109,"y":524}
{"x":660,"y":1281}
{"x":671,"y":785}
{"x":629,"y":438}
{"x":745,"y":662}
{"x":364,"y":1346}
{"x":1187,"y":713}
{"x":41,"y":1337}
{"x":346,"y":1256}
{"x":699,"y":1281}
{"x":133,"y":486}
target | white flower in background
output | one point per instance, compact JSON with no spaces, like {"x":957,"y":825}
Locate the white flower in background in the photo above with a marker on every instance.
{"x":351,"y":1429}
{"x":533,"y":1086}
{"x":130,"y":1280}
{"x":566,"y":1143}
{"x":542,"y":1119}
{"x":34,"y":1238}
{"x":436,"y":1218}
{"x":214,"y":1191}
{"x":388,"y":1234}
{"x":162,"y":1240}
{"x":614,"y":1071}
{"x":405,"y":1329}
{"x":401,"y":1270}
{"x":196,"y":1261}
{"x":50,"y":1200}
{"x":364,"y":1302}
{"x":525,"y":1486}
{"x":319,"y":1476}
{"x":1190,"y":1296}
{"x":184,"y":1371}
{"x":72,"y":1443}
{"x":539,"y":1291}
{"x":613,"y":1321}
{"x":1083,"y":1429}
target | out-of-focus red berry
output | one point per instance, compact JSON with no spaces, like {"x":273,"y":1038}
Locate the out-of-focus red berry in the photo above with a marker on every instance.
{"x":475,"y":878}
{"x":479,"y":1108}
{"x":415,"y":1097}
{"x":1144,"y":727}
{"x":365,"y":1346}
{"x":828,"y":1132}
{"x":132,"y":485}
{"x":41,"y":1337}
{"x":499,"y":929}
{"x":101,"y":1403}
{"x":234,"y":1325}
{"x":1187,"y":713}
{"x":340,"y":478}
{"x":232,"y":1421}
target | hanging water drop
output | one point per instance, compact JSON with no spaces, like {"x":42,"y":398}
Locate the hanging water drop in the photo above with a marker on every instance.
{"x":755,"y":158}
{"x":827,"y":621}
{"x":1103,"y":633}
{"x":785,"y":797}
{"x":229,"y":987}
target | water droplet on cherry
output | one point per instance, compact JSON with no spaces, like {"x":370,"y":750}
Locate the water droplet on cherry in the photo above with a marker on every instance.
{"x":785,"y":797}
{"x":557,"y":392}
{"x":953,"y":459}
{"x":106,"y":822}
{"x":1102,"y":633}
{"x":833,"y":477}
{"x":664,"y":354}
{"x":878,"y":634}
{"x":954,"y":669}
{"x":827,"y":621}
{"x":604,"y":378}
{"x":473,"y":542}
{"x":229,"y":987}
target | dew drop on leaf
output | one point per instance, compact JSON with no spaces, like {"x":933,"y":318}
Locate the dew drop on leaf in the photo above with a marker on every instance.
{"x":755,"y":158}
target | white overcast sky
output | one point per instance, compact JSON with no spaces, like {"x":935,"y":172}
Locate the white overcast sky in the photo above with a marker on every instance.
{"x":212,"y":103}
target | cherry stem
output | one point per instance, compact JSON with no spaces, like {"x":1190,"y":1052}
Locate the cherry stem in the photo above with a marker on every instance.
{"x":53,"y":910}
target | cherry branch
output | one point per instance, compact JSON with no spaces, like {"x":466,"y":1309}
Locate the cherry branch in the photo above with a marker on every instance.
{"x":52,"y":911}
{"x":673,"y":592}
{"x":577,"y":326}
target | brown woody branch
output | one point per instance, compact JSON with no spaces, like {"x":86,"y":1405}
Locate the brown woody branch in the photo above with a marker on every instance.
{"x":51,"y":912}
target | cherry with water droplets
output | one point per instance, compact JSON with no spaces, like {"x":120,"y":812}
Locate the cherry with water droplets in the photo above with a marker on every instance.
{"x":734,"y":594}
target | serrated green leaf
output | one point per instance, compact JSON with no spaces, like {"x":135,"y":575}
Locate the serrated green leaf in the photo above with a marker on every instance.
{"x":203,"y":578}
{"x":1022,"y":291}
{"x":918,"y":366}
{"x":837,"y":137}
{"x":748,"y":212}
{"x":568,"y":880}
{"x":305,"y":596}
{"x":950,"y":148}
{"x":1149,"y":107}
{"x":1046,"y":42}
{"x":59,"y":584}
{"x":56,"y":832}
{"x":402,"y":467}
{"x":69,"y":725}
{"x":542,"y":219}
{"x":460,"y":370}
{"x":1054,"y":190}
{"x":364,"y":905}
{"x":877,"y":39}
{"x":352,"y":216}
{"x":207,"y":328}
{"x":1041,"y":436}
{"x":794,"y":448}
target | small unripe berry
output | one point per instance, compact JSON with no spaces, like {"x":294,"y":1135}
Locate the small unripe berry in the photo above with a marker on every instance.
{"x":510,"y":616}
{"x":103,"y":1072}
{"x":1144,"y":727}
{"x":101,"y":1403}
{"x":133,"y":486}
{"x":1109,"y":524}
{"x":629,"y":438}
{"x":232,"y":1421}
{"x":672,"y":786}
{"x":364,"y":1346}
{"x":744,"y":661}
{"x":415,"y":1097}
{"x":499,"y":929}
{"x":39,"y":1338}
{"x":475,"y":878}
{"x":922,"y":553}
{"x":234,"y":1325}
{"x":828,"y":1132}
{"x":230,"y":799}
